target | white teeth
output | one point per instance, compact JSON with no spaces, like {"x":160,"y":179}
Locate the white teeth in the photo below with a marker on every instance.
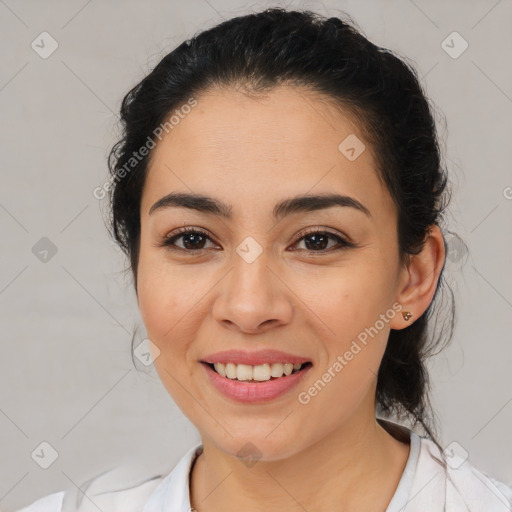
{"x":276,"y":370}
{"x":287,"y":368}
{"x":220,"y":368}
{"x":261,"y":372}
{"x":230,"y":370}
{"x":243,"y":372}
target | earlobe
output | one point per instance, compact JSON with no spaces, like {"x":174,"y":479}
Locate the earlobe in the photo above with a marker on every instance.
{"x":423,"y":273}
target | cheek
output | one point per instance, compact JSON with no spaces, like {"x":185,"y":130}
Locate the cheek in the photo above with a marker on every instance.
{"x":153,"y":299}
{"x":159,"y":299}
{"x":171,"y":301}
{"x":349,"y":299}
{"x":355,"y":305}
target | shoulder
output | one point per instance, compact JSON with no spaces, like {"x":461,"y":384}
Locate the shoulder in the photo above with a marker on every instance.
{"x":131,"y":487}
{"x":126,"y":487}
{"x":50,"y":503}
{"x":463,"y":487}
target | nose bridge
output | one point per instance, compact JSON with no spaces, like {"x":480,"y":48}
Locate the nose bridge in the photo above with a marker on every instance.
{"x":251,"y":270}
{"x":252,"y":295}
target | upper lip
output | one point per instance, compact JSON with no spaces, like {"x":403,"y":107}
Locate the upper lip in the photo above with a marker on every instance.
{"x":253,"y":358}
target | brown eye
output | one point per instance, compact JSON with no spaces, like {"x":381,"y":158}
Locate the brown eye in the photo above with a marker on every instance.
{"x":318,"y":241}
{"x":193,"y":240}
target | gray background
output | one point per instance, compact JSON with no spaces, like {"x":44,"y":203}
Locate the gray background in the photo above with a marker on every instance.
{"x":66,"y":372}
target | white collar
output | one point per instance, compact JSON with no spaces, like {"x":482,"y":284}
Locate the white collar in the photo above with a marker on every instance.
{"x":173,"y":492}
{"x":428,"y":482}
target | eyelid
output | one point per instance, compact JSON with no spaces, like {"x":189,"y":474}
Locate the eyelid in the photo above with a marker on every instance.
{"x":323,"y":229}
{"x":166,"y":240}
{"x":344,"y":241}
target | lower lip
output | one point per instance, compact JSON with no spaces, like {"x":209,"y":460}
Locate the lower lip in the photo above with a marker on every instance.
{"x":252,"y":392}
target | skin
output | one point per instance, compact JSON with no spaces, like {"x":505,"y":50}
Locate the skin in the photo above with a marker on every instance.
{"x":252,"y":153}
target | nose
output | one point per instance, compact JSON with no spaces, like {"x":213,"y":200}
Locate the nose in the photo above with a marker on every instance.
{"x":253,"y":298}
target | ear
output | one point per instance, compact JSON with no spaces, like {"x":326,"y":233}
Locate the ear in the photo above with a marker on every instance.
{"x":418,"y":282}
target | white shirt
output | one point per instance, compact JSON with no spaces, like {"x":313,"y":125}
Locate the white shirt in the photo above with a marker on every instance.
{"x":431,"y":482}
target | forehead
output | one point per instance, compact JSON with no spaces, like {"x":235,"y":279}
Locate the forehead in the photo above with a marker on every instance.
{"x":253,"y":150}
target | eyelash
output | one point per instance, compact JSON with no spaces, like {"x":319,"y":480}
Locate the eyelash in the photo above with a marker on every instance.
{"x":168,"y":241}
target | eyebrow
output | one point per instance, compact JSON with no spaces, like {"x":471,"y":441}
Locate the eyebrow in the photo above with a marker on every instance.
{"x":304,"y":203}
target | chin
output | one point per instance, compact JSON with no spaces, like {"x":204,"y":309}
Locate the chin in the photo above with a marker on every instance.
{"x":251,"y":449}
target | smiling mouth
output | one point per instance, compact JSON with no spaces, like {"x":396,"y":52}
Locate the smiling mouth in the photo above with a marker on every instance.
{"x":233,"y":376}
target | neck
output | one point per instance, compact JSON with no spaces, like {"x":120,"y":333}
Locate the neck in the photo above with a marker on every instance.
{"x":355,"y":468}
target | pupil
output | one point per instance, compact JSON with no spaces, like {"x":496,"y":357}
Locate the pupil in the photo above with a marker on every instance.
{"x":318,"y":238}
{"x":193,"y":236}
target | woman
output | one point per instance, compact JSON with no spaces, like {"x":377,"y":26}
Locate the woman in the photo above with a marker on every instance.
{"x":279,"y":193}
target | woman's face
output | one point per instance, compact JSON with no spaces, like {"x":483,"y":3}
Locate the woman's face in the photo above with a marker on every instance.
{"x":257,"y":281}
